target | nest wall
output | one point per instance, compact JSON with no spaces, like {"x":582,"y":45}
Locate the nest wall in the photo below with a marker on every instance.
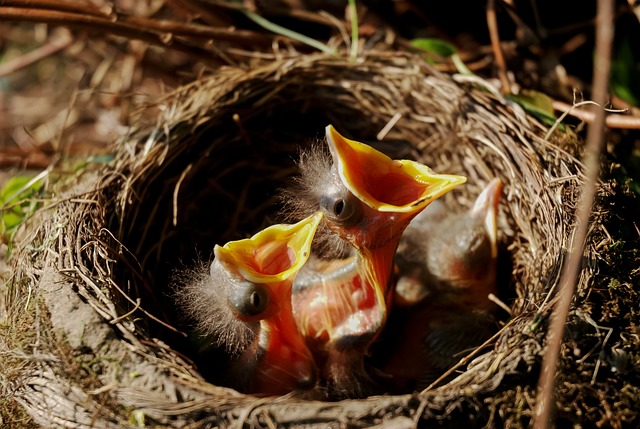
{"x":209,"y":170}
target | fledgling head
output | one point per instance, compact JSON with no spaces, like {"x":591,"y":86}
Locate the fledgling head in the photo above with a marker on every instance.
{"x":367,"y":200}
{"x":372,"y":198}
{"x":463,"y":250}
{"x":302,"y":199}
{"x":244,"y":305}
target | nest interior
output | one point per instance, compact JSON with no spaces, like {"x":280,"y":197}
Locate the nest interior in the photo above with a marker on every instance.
{"x":209,"y":171}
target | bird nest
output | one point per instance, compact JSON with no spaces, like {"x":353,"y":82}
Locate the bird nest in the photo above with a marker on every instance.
{"x":101,"y":344}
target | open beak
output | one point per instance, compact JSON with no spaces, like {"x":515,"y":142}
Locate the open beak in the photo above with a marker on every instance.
{"x":272,"y":258}
{"x":274,"y":254}
{"x":386,"y":185}
{"x":393,"y":192}
{"x":486,"y":205}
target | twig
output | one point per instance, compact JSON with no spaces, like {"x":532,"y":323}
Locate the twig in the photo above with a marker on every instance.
{"x":419,"y":411}
{"x":492,"y":23}
{"x":338,"y":24}
{"x":468,"y":357}
{"x":500,"y":303}
{"x":33,"y":161}
{"x":564,"y":115}
{"x":303,"y":15}
{"x":392,"y":122}
{"x":612,"y":121}
{"x":59,"y":6}
{"x":529,"y":34}
{"x":152,"y":31}
{"x":59,"y":41}
{"x":148,"y":25}
{"x":204,"y":12}
{"x":127,"y":314}
{"x":545,"y":397}
{"x":353,"y":14}
{"x":176,"y":191}
{"x":320,"y":17}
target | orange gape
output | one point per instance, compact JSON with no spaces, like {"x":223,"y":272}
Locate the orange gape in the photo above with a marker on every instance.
{"x":244,"y":305}
{"x":368,"y":202}
{"x":339,"y":304}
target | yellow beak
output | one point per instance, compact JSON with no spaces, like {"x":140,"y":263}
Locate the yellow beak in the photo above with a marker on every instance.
{"x":386,"y":185}
{"x":273,"y":254}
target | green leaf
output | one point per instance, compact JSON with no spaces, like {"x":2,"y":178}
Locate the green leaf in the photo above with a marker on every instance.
{"x":10,"y":219}
{"x":538,"y":104}
{"x":16,"y":202}
{"x":278,"y":29}
{"x":437,"y":49}
{"x":435,"y":46}
{"x":625,"y":93}
{"x":460,"y":65}
{"x":625,"y":73}
{"x":13,"y":186}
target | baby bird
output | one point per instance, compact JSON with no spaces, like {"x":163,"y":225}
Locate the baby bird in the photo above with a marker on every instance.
{"x":447,"y":268}
{"x":453,"y":254}
{"x":367,"y":199}
{"x":243,"y":304}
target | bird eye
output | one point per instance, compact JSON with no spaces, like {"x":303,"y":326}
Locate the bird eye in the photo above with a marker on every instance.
{"x":339,"y":209}
{"x":249,"y":299}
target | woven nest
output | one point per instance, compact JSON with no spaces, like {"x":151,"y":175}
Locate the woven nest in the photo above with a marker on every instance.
{"x":107,"y":349}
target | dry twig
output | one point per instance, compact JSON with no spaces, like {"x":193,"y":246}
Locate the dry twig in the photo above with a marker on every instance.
{"x":59,"y":40}
{"x":492,"y":22}
{"x":595,"y":140}
{"x":611,"y":120}
{"x":169,"y":34}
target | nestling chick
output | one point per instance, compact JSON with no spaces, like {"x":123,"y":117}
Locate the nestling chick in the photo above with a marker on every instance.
{"x":368,"y":199}
{"x":453,"y":253}
{"x":244,"y":306}
{"x":447,"y":269}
